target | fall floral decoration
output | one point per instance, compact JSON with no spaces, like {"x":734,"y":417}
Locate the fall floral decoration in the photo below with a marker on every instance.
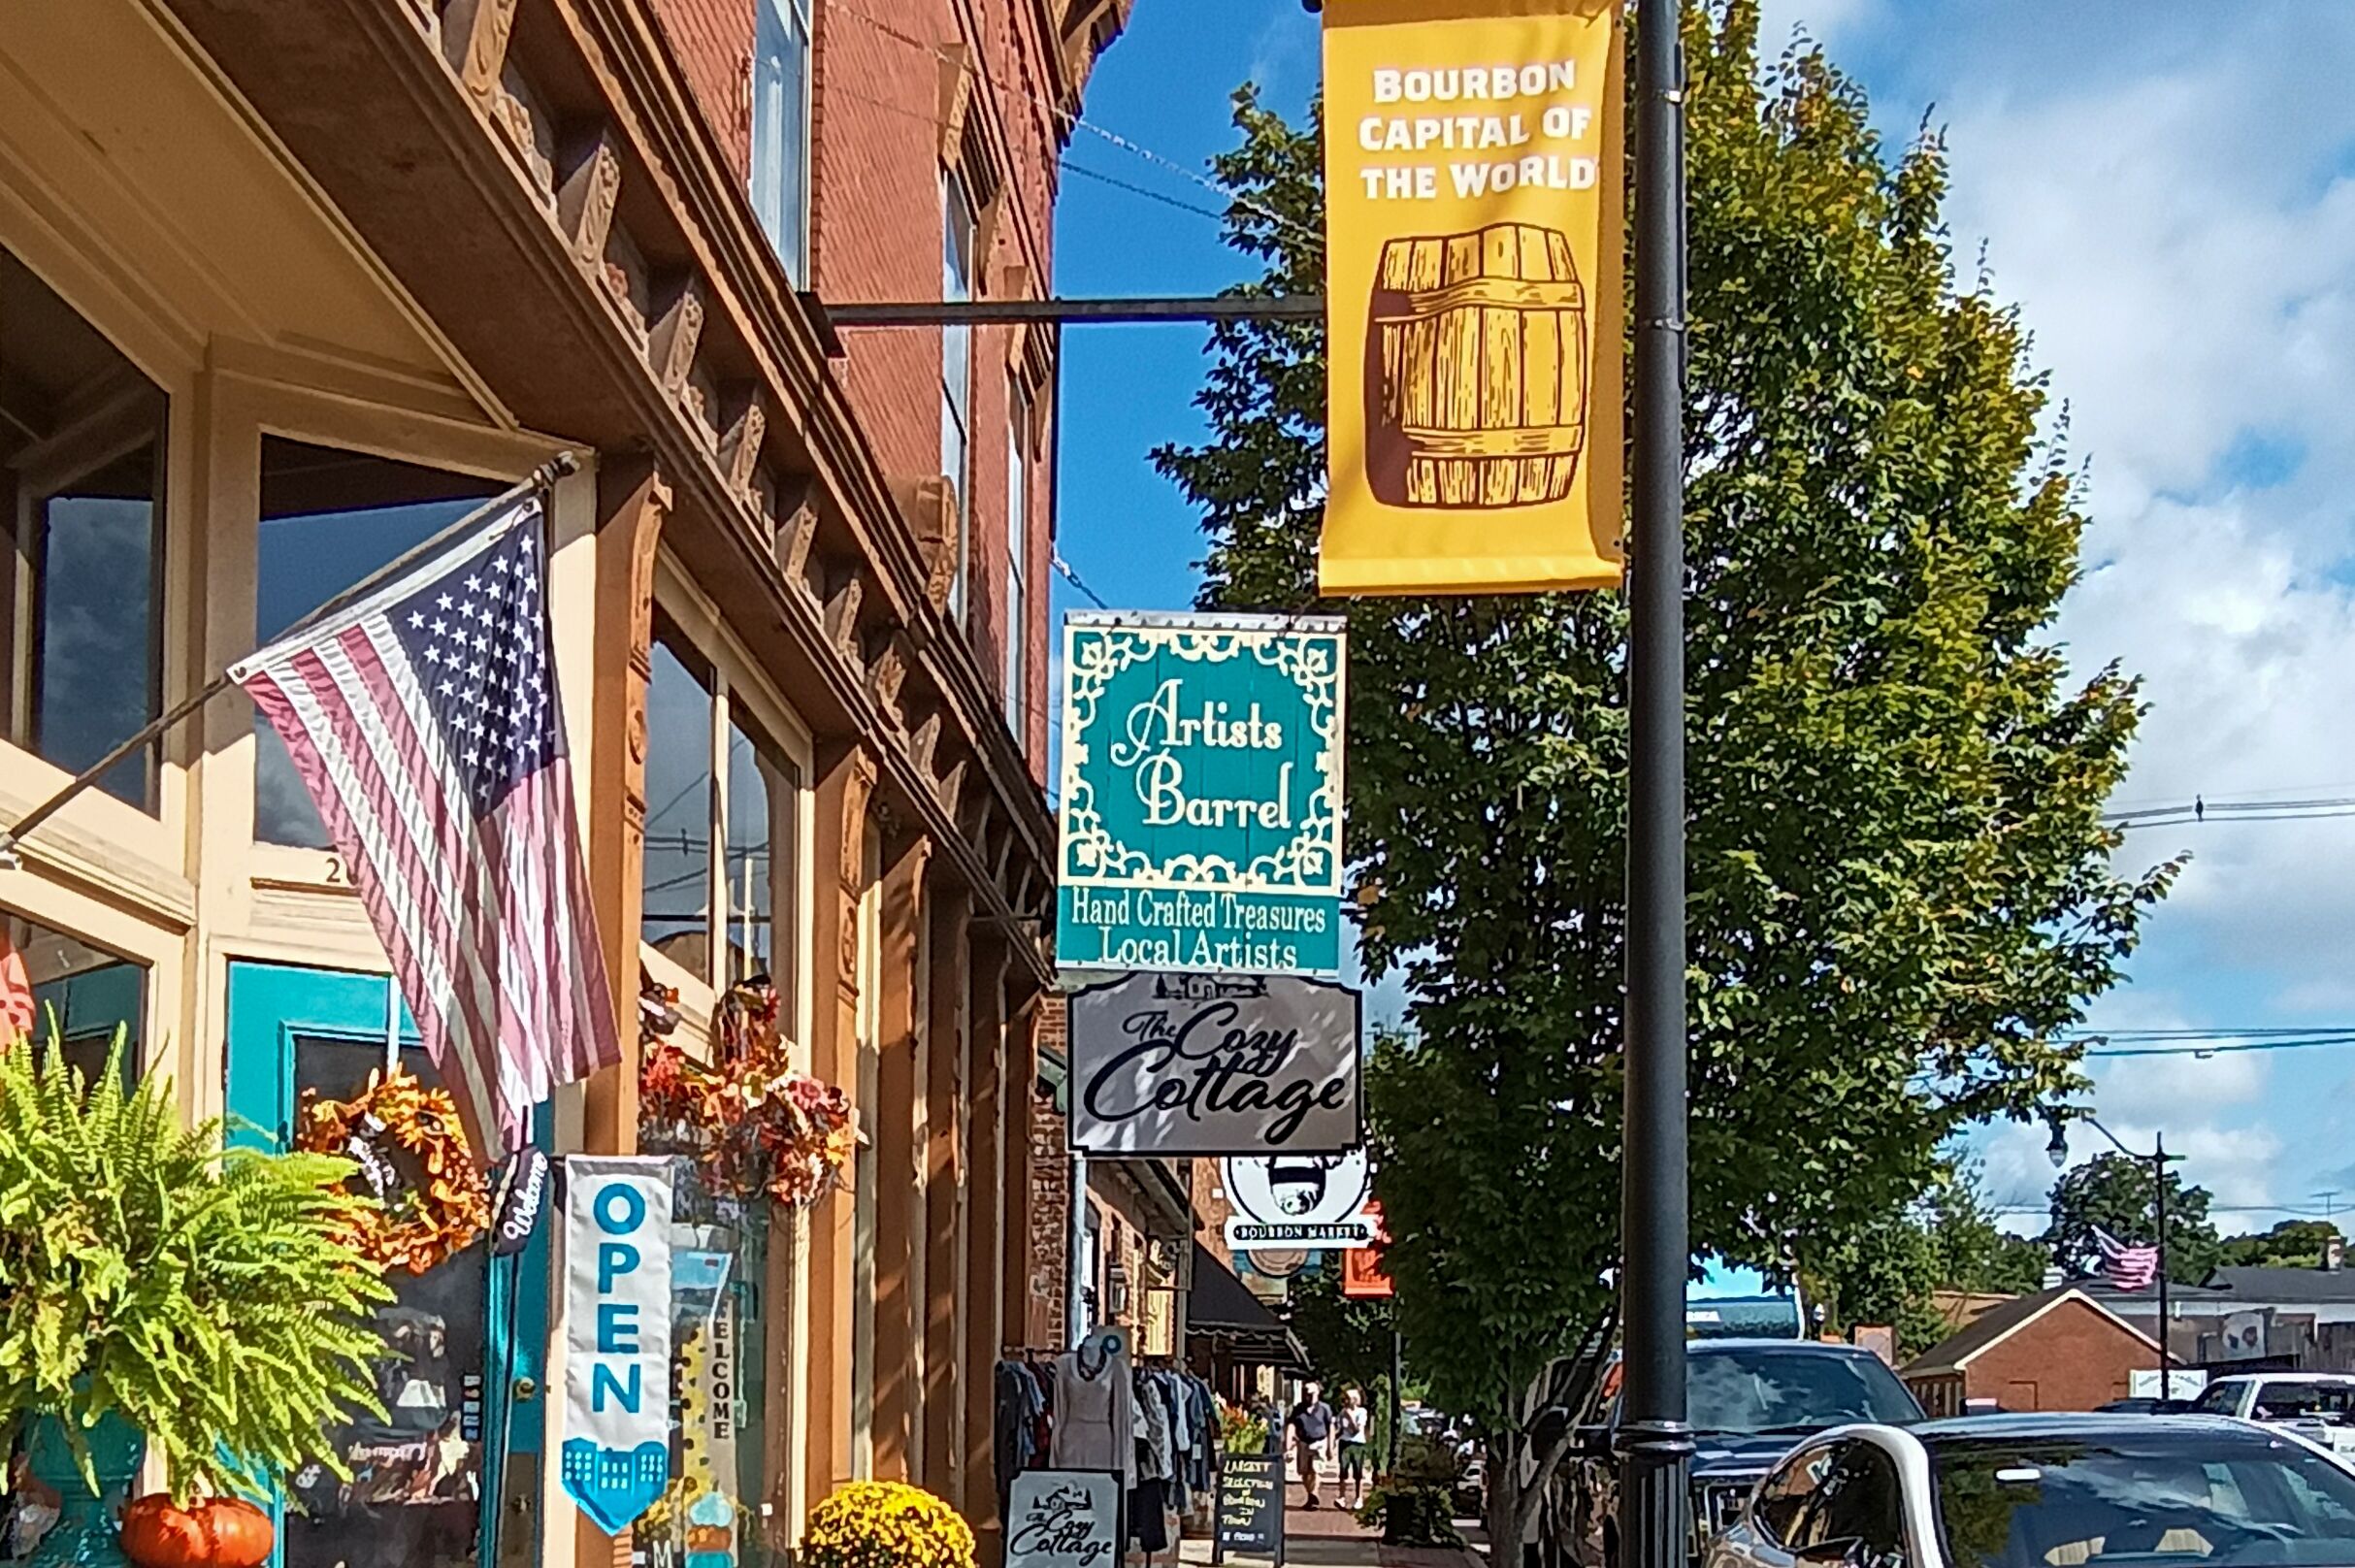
{"x":753,"y":1122}
{"x":430,"y":1199}
{"x":886,"y":1524}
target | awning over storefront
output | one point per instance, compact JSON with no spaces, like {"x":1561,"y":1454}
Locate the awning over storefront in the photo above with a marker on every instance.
{"x":1221,"y":1311}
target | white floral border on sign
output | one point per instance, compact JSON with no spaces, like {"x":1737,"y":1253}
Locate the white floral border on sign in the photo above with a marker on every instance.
{"x":1310,"y":863}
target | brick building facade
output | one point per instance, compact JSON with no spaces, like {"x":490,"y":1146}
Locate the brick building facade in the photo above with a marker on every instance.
{"x":285,"y":290}
{"x":2053,"y":1350}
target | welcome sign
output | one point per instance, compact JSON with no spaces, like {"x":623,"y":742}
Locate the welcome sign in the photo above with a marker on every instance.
{"x":1201,"y":794}
{"x":1209,"y":1064}
{"x":616,"y":1457}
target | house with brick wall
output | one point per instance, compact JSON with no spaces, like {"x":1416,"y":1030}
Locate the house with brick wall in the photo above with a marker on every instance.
{"x":2051,"y":1349}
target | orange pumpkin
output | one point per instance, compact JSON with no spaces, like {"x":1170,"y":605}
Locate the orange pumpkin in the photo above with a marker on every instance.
{"x":242,"y":1533}
{"x":218,"y":1532}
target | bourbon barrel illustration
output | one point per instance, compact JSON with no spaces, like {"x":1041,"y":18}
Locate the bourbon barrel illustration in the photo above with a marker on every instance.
{"x":1476,"y":369}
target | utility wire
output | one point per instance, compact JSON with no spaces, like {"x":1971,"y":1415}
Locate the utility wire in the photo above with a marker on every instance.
{"x":1071,"y":576}
{"x":1146,"y":191}
{"x":2198,"y":810}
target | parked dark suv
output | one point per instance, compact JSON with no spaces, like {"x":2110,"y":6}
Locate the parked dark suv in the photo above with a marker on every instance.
{"x":1750,"y":1401}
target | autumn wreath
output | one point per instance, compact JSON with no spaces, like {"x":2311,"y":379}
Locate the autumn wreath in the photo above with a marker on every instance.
{"x":432,"y":1200}
{"x":753,"y":1122}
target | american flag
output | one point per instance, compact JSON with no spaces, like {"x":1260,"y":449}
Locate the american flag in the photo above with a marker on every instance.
{"x":424,"y":721}
{"x":2129,"y":1268}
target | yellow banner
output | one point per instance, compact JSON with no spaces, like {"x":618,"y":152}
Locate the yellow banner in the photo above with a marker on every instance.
{"x":1473,"y":200}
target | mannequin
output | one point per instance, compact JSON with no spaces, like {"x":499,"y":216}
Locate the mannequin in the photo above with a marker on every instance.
{"x":1095,"y":1408}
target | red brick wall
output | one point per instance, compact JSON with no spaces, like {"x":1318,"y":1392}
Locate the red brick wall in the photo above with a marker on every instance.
{"x":713,"y":41}
{"x":875,"y":235}
{"x":2075,"y":1357}
{"x":1050,"y":1223}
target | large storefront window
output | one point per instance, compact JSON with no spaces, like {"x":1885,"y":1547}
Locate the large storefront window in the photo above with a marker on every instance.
{"x":81,"y":442}
{"x":677,"y":875}
{"x":328,"y":518}
{"x":713,"y":775}
{"x":712,"y":1515}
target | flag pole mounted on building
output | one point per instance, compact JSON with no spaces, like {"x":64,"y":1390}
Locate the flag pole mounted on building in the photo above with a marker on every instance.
{"x":421,"y":712}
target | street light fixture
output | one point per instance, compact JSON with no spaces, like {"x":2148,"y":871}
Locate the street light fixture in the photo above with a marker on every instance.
{"x":2058,"y":1118}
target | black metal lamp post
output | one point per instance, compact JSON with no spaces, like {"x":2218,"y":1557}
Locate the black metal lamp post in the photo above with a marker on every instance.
{"x":1654,"y":1500}
{"x":2058,"y":1150}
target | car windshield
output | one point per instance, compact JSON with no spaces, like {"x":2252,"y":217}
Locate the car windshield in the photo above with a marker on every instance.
{"x":1778,"y":1389}
{"x":2210,"y":1497}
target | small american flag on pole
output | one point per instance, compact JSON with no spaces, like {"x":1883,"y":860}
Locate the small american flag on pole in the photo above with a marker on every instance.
{"x":2129,"y":1268}
{"x":423,"y":719}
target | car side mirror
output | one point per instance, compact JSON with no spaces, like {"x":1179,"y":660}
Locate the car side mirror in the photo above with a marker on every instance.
{"x":1592,"y":1442}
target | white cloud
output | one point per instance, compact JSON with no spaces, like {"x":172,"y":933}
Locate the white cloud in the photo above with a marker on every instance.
{"x":1823,"y":20}
{"x":2172,"y":206}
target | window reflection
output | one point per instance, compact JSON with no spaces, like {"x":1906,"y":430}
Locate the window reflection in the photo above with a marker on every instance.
{"x":678,"y":886}
{"x":752,"y":791}
{"x":80,"y":509}
{"x":328,"y":518}
{"x":48,"y":975}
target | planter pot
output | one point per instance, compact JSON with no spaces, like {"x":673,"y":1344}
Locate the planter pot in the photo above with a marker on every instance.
{"x":85,"y":1533}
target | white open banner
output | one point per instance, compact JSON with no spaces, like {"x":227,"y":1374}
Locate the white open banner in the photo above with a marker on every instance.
{"x":616,"y":1459}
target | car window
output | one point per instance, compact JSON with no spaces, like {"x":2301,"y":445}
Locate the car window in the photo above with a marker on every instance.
{"x":2219,"y":1399}
{"x":2204,"y":1498}
{"x":1783,"y":1496}
{"x":1783,"y":1389}
{"x":2296,"y":1399}
{"x":1861,"y":1500}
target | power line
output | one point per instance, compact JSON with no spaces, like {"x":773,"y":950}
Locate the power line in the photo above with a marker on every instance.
{"x":1146,"y":191}
{"x":2201,"y":810}
{"x":1071,"y":576}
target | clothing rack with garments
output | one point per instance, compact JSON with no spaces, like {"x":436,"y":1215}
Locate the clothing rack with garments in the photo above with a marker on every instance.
{"x":1089,"y":1408}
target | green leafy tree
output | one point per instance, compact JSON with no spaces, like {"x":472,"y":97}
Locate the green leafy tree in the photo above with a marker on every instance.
{"x":2291,"y":1244}
{"x":1891,"y":1271}
{"x":1901,"y":887}
{"x":1348,"y":1340}
{"x":201,"y":1294}
{"x":2116,"y":1195}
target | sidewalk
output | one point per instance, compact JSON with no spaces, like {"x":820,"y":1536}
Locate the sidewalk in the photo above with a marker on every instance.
{"x":1330,"y":1537}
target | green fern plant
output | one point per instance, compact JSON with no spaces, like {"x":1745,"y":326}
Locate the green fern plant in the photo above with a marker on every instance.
{"x":200,"y":1293}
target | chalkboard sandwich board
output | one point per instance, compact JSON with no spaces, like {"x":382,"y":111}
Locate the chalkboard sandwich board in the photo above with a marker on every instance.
{"x":1250,"y":1507}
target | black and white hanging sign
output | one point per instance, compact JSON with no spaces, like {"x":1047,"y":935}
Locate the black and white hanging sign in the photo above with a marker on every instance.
{"x":1215,"y":1064}
{"x":1288,"y":1200}
{"x":1063,"y":1518}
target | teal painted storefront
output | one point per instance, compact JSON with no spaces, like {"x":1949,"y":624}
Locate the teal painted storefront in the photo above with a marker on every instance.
{"x":463,"y":1423}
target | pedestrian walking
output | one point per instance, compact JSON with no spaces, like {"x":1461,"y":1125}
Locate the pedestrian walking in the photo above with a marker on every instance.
{"x":1354,"y":1425}
{"x":1312,"y":1424}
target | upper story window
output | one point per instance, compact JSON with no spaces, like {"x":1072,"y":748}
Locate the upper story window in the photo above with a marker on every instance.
{"x":329,"y":519}
{"x":780,"y":130}
{"x":1018,"y":603}
{"x":959,"y":242}
{"x":81,"y":484}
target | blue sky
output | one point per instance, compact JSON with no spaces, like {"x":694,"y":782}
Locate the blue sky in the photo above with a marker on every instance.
{"x":2169,"y":199}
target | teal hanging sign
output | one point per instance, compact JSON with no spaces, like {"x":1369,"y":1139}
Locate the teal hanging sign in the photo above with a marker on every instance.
{"x":1201,"y":792}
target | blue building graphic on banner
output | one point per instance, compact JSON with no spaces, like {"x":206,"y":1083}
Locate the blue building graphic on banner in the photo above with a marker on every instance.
{"x":614,"y":1486}
{"x":1201,"y":794}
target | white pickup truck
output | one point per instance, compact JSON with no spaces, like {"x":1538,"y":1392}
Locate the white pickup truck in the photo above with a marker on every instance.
{"x":2318,"y":1406}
